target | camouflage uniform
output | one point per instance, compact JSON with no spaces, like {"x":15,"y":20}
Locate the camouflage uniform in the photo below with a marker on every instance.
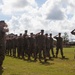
{"x":25,"y":45}
{"x":42,"y":46}
{"x":14,"y":40}
{"x":51,"y":45}
{"x":59,"y":45}
{"x":32,"y":46}
{"x":2,"y":42}
{"x":37,"y":46}
{"x":7,"y":42}
{"x":47,"y":46}
{"x":2,"y":46}
{"x":20,"y":45}
{"x":8,"y":47}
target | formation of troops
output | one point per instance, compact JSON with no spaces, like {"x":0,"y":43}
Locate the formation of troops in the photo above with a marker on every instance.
{"x":37,"y":46}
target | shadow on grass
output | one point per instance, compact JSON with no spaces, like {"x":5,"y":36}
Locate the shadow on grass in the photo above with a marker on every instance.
{"x":31,"y":60}
{"x":64,"y":58}
{"x":46,"y":63}
{"x":1,"y":71}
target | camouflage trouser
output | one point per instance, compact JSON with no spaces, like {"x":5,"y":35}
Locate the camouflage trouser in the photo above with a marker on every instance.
{"x":2,"y":55}
{"x":48,"y":52}
{"x":42,"y":48}
{"x":31,"y":51}
{"x":14,"y":52}
{"x":52,"y":51}
{"x":57,"y":50}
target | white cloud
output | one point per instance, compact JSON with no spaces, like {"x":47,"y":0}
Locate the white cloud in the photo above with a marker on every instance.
{"x":52,"y":10}
{"x":56,"y":14}
{"x":13,"y":24}
{"x":12,"y":6}
{"x":53,"y":16}
{"x":20,"y":3}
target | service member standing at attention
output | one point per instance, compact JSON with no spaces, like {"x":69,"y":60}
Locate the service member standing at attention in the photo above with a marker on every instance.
{"x":20,"y":45}
{"x":59,"y":44}
{"x":25,"y":44}
{"x":42,"y":45}
{"x":51,"y":44}
{"x":14,"y":40}
{"x":32,"y":46}
{"x":47,"y":46}
{"x":3,"y":30}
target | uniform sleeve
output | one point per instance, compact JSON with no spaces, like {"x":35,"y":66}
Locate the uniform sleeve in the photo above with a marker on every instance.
{"x":73,"y":32}
{"x":56,"y":37}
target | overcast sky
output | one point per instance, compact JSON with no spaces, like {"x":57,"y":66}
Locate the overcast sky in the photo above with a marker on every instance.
{"x":33,"y":15}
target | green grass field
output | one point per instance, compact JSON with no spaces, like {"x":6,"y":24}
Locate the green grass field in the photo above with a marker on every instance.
{"x":14,"y":66}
